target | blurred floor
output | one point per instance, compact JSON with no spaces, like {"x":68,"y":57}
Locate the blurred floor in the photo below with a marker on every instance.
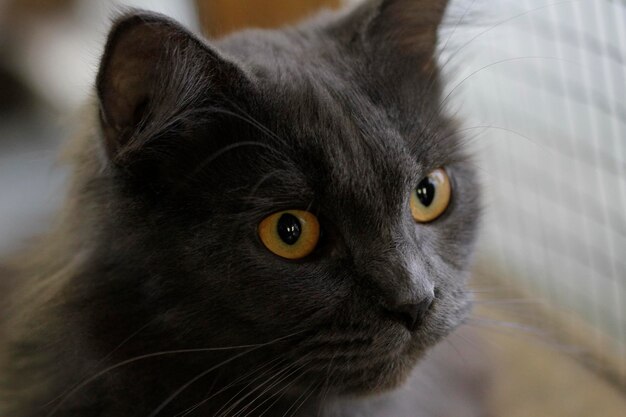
{"x":534,"y":377}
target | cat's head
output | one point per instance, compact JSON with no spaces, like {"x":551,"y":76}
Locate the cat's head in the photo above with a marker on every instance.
{"x":301,"y":186}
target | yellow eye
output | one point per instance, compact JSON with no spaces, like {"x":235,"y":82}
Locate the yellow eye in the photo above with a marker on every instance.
{"x":431,"y":197}
{"x":292,"y":234}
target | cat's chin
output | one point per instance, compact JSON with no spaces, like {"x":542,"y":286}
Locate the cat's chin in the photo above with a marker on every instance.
{"x":381,"y":377}
{"x":384,"y":377}
{"x":387,"y":372}
{"x":382,"y":373}
{"x":357,"y":359}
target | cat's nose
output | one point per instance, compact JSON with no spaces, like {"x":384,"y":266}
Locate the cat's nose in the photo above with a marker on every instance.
{"x":412,"y":315}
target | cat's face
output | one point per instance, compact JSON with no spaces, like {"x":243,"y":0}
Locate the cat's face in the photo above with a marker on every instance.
{"x":328,"y":120}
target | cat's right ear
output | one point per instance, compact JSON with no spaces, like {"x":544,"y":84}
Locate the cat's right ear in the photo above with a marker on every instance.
{"x":400,"y":36}
{"x":152,"y":76}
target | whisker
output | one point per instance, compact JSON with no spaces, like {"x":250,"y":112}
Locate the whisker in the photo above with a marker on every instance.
{"x":157,"y":354}
{"x":504,"y":325}
{"x":132,"y":360}
{"x":247,"y":117}
{"x":227,"y":406}
{"x":457,"y":351}
{"x":458,"y":23}
{"x":281,"y":390}
{"x":542,"y":336}
{"x":102,"y":360}
{"x":451,"y":58}
{"x":506,"y":302}
{"x":206,"y":372}
{"x":326,"y":387}
{"x":312,"y":388}
{"x":469,"y":341}
{"x":233,"y":383}
{"x":204,"y":164}
{"x":224,"y":412}
{"x":502,"y":61}
{"x":517,"y":16}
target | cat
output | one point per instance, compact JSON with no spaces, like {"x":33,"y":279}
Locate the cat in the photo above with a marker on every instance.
{"x":279,"y":222}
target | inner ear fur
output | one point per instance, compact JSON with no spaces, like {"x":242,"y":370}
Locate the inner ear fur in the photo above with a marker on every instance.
{"x":408,"y":25}
{"x":398,"y":32}
{"x":152,"y":72}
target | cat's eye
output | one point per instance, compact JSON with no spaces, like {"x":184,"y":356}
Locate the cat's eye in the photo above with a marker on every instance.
{"x":431,"y":197}
{"x":291,"y":234}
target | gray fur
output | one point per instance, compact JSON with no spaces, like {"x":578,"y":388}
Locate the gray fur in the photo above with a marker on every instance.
{"x":191,"y":146}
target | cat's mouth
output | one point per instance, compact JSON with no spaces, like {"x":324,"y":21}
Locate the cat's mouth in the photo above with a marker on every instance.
{"x":356,"y":361}
{"x":371,"y":374}
{"x":349,"y":358}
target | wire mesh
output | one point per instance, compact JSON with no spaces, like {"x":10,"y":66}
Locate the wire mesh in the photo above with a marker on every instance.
{"x":540,"y":86}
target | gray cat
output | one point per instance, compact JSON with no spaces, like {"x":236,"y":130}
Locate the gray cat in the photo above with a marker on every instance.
{"x":276,"y":223}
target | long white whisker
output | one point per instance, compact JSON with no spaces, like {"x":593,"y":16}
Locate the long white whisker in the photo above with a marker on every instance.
{"x":271,"y":365}
{"x":227,"y":406}
{"x":312,"y":388}
{"x":207,"y":371}
{"x":270,"y":387}
{"x":102,"y":360}
{"x":135,"y":359}
{"x":282,"y":392}
{"x":517,"y":16}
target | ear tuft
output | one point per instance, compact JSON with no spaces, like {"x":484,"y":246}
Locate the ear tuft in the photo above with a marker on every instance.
{"x":129,"y":73}
{"x":405,"y":28}
{"x":152,"y":73}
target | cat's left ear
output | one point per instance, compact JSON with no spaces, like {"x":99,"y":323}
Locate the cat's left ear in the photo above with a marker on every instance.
{"x":403,"y":30}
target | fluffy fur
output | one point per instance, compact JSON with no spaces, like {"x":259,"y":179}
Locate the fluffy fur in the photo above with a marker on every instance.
{"x":154,"y":295}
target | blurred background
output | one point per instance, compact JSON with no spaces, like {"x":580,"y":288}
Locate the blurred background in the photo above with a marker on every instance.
{"x":540,"y":88}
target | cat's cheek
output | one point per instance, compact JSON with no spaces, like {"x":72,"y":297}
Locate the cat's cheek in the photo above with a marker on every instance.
{"x":287,"y":296}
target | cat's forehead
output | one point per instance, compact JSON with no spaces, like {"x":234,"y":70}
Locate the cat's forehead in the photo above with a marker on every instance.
{"x":347,"y":149}
{"x":310,"y":81}
{"x":332,"y":117}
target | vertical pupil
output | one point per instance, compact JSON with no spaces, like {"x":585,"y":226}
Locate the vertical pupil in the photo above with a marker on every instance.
{"x":289,"y":228}
{"x":425,"y":191}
